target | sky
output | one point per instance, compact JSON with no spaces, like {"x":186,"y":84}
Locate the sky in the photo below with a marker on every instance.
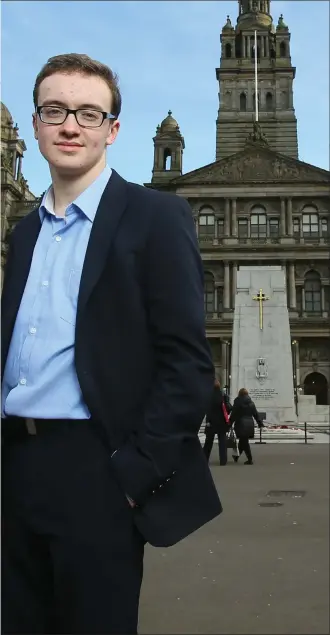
{"x":165,"y":54}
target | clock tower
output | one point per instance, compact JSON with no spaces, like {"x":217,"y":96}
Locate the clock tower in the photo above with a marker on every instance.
{"x":236,"y":77}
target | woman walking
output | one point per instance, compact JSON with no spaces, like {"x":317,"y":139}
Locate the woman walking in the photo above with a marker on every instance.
{"x":242,"y":416}
{"x":217,"y":422}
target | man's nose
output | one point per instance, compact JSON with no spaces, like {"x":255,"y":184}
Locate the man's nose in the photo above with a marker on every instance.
{"x":71,"y":125}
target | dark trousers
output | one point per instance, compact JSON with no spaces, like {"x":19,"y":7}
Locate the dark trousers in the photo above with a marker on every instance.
{"x":72,"y":558}
{"x":244,"y":446}
{"x":222,"y":444}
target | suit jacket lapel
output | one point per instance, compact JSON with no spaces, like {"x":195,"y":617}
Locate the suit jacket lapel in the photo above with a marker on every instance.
{"x":108,"y":215}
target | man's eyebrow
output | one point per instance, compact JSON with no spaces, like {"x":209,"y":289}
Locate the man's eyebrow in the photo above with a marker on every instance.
{"x":57,"y":102}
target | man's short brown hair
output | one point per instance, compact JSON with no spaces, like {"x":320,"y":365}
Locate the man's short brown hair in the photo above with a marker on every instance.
{"x":79,"y":63}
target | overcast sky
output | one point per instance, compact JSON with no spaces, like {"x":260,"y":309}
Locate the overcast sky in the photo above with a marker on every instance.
{"x":165,"y":54}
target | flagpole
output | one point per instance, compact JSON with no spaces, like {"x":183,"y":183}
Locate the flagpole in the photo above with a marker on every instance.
{"x":256,"y":74}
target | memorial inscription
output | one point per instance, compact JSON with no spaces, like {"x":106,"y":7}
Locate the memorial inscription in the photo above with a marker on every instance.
{"x":264,"y":394}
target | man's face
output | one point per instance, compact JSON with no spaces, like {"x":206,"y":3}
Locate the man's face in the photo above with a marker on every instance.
{"x":69,"y":148}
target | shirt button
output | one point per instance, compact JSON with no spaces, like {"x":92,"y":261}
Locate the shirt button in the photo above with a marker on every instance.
{"x":45,"y":283}
{"x":58,"y":239}
{"x":22,"y":381}
{"x":33,"y":329}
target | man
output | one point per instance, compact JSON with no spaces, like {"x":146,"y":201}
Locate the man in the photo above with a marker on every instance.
{"x":217,"y":422}
{"x":103,"y":281}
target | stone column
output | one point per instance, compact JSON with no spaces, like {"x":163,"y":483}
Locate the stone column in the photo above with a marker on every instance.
{"x":233,"y":218}
{"x":303,"y":301}
{"x":296,"y":362}
{"x":215,"y":307}
{"x":267,"y":46}
{"x":262,"y":46}
{"x":322,"y":299}
{"x":292,"y":287}
{"x":282,"y":218}
{"x":226,"y":290}
{"x":243,"y":46}
{"x":289,"y":217}
{"x":224,"y":363}
{"x":234,"y":283}
{"x":227,"y":227}
{"x":248,"y":46}
{"x":215,"y":227}
{"x":197,"y":225}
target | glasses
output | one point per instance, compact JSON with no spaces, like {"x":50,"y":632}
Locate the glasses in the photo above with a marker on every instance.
{"x":85,"y":117}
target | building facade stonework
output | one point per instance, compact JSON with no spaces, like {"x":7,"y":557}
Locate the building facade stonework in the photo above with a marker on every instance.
{"x":257,"y":204}
{"x":16,"y":198}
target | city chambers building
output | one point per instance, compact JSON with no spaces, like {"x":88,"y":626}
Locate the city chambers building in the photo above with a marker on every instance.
{"x":257,"y":204}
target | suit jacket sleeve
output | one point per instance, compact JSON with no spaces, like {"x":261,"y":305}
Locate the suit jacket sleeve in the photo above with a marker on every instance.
{"x":184,"y":372}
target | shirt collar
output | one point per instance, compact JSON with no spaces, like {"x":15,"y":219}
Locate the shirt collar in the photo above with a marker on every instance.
{"x":87,"y":202}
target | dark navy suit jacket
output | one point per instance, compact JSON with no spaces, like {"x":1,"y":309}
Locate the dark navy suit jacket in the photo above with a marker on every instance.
{"x":141,"y":355}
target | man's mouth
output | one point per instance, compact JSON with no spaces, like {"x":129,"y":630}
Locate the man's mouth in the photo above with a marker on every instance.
{"x":69,"y":144}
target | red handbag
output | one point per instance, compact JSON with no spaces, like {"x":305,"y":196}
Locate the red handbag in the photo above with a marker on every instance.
{"x":225,"y":413}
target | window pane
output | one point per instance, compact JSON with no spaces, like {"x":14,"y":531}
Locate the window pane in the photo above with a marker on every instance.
{"x":202,"y":220}
{"x":254,"y":220}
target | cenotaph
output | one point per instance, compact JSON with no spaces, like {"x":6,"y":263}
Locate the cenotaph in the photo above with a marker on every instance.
{"x":261,"y":348}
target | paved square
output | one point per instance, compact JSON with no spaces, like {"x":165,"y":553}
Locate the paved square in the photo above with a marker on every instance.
{"x":254,"y":569}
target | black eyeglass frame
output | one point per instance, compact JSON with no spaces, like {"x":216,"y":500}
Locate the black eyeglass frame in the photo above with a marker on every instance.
{"x":69,"y":111}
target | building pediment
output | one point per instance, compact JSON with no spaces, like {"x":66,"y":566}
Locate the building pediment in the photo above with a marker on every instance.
{"x":254,"y":165}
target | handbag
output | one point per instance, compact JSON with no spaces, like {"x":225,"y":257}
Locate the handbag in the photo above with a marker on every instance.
{"x":225,"y":413}
{"x":231,"y":439}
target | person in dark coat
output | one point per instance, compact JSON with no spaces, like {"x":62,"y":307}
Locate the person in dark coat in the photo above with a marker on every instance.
{"x":216,"y":423}
{"x":242,"y":417}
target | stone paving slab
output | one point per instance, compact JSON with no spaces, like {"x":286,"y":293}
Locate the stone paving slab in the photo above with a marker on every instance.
{"x":254,"y":569}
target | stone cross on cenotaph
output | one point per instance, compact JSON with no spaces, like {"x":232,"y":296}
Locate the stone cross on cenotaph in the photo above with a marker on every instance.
{"x":261,"y":348}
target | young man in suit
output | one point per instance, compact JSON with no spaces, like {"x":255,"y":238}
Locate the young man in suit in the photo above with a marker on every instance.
{"x":103,"y":281}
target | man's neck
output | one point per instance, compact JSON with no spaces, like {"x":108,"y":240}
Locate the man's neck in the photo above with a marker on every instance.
{"x":66,"y":188}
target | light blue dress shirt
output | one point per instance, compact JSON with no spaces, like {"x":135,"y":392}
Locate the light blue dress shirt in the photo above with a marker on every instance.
{"x":40,"y":379}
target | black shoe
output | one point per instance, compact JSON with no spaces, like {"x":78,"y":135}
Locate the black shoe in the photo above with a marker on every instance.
{"x":248,"y":463}
{"x":235,"y":458}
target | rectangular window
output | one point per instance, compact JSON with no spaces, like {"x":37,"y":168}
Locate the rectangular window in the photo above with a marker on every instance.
{"x":274,"y":227}
{"x":221,"y":227}
{"x":243,"y":228}
{"x":296,"y":226}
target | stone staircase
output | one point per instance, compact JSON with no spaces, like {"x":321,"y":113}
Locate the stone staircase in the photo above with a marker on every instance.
{"x":310,"y":412}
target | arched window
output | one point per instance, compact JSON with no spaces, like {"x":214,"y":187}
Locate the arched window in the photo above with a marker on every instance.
{"x":269,"y":101}
{"x":283,"y":49}
{"x":312,"y":288}
{"x":209,"y":293}
{"x":242,"y":102}
{"x":310,"y":222}
{"x":258,"y":222}
{"x":206,"y":222}
{"x":228,"y":50}
{"x":167,"y":159}
{"x":325,"y":227}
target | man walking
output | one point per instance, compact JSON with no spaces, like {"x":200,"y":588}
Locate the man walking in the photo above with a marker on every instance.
{"x":103,"y":281}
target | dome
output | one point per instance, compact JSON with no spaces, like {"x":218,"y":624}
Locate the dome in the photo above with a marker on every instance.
{"x":281,"y":24}
{"x":6,"y":118}
{"x":169,"y":123}
{"x":228,"y":26}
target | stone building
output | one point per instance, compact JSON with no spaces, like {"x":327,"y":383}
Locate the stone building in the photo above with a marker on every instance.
{"x":16,"y":198}
{"x":257,"y":204}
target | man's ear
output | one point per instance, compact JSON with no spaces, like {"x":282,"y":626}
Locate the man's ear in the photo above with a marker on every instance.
{"x":35,"y":125}
{"x":113,"y":131}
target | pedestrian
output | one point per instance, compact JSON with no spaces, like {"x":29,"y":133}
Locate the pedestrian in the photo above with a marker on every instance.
{"x":103,"y":281}
{"x":217,"y":423}
{"x":242,"y":416}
